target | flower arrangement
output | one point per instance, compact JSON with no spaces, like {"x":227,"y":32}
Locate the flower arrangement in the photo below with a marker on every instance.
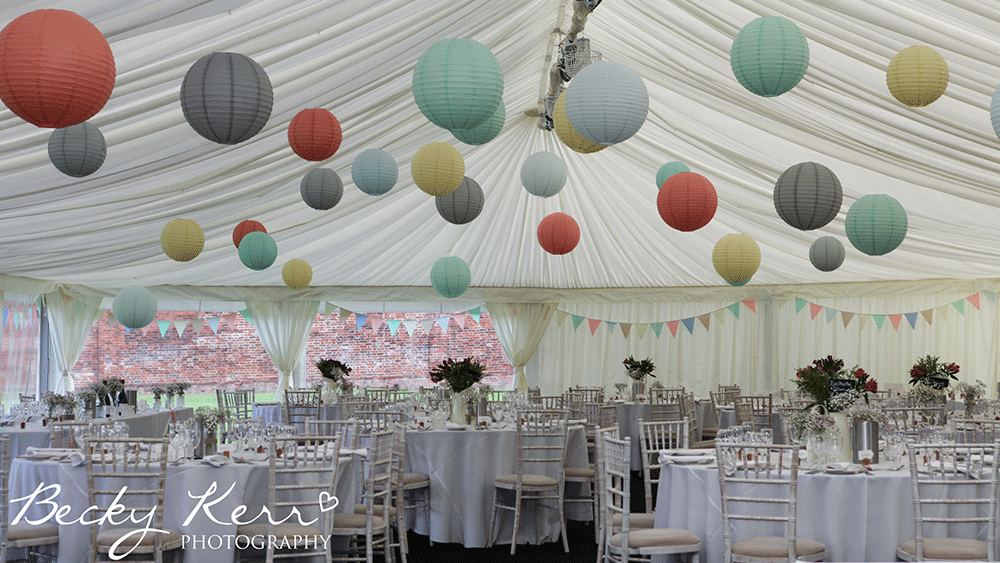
{"x":639,"y":369}
{"x":863,"y":412}
{"x":332,"y":369}
{"x":970,"y":391}
{"x":157,"y":391}
{"x":815,"y":381}
{"x":114,"y":386}
{"x":622,"y":388}
{"x":88,"y":397}
{"x":926,"y":395}
{"x":178,"y":388}
{"x":55,"y":400}
{"x":458,"y":375}
{"x":803,"y":423}
{"x":930,"y":371}
{"x":209,"y":417}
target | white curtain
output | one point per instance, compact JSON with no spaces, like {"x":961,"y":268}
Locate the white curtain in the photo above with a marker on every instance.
{"x":519,"y":327}
{"x":283,"y":328}
{"x":70,"y":321}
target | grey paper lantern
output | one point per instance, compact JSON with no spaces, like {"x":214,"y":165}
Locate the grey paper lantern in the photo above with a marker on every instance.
{"x":77,"y":150}
{"x":543,"y":174}
{"x":321,"y":189}
{"x":374,"y":172}
{"x":826,"y":254}
{"x":226,"y":97}
{"x":808,"y":196}
{"x":607,"y":102}
{"x":462,"y":205}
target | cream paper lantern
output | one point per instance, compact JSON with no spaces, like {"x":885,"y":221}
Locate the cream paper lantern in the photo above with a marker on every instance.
{"x":438,"y":168}
{"x":736,"y":258}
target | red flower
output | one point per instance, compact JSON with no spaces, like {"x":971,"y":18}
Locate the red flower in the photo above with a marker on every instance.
{"x":871,"y":386}
{"x":860,"y":373}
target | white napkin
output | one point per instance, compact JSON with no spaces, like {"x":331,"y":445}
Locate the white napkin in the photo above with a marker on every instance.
{"x":363,"y":452}
{"x":217,"y":460}
{"x":76,"y":459}
{"x":453,"y":426}
{"x":577,"y":422}
{"x":32,"y":451}
{"x":843,"y":466}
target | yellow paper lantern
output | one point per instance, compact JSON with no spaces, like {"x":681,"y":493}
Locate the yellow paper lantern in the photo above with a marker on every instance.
{"x":568,"y":135}
{"x":182,"y":239}
{"x":917,"y":76}
{"x":438,"y":169}
{"x":736,"y":258}
{"x":297,"y":273}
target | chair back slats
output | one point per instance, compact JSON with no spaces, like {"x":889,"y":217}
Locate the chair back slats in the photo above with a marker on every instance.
{"x":234,"y":430}
{"x":348,"y":430}
{"x":301,"y":405}
{"x":64,"y":434}
{"x":976,"y":430}
{"x":541,"y":441}
{"x":236,"y":404}
{"x":590,"y":394}
{"x":665,"y":394}
{"x":908,"y":419}
{"x":656,"y":436}
{"x":548,"y":401}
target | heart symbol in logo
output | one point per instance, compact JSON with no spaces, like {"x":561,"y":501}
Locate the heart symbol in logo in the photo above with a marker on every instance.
{"x":327,"y":502}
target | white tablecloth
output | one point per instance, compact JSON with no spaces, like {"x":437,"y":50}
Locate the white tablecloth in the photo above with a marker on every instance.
{"x":462,"y":466}
{"x":629,"y":415}
{"x":33,"y":435}
{"x":153,"y":424}
{"x":271,"y":413}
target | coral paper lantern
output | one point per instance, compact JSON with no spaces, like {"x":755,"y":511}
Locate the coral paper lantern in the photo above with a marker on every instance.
{"x":736,"y":258}
{"x":917,"y":76}
{"x":876,"y":224}
{"x":458,"y":84}
{"x":315,"y":134}
{"x":668,"y":170}
{"x":567,"y":134}
{"x":244,"y":227}
{"x":558,"y":233}
{"x":78,"y":150}
{"x":607,"y":102}
{"x":226,"y":97}
{"x":56,"y":68}
{"x":462,"y":205}
{"x":808,"y":196}
{"x":769,"y":56}
{"x":182,"y":239}
{"x":437,"y":168}
{"x":374,"y":172}
{"x":826,"y":254}
{"x":543,"y":174}
{"x":321,"y":189}
{"x":687,"y":201}
{"x":450,"y":276}
{"x":134,"y":307}
{"x":297,"y":273}
{"x":258,"y":251}
{"x":486,"y":131}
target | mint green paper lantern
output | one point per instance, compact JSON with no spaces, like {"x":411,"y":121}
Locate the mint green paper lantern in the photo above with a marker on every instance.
{"x":374,"y":172}
{"x":134,"y":306}
{"x":769,"y":56}
{"x":485,"y":132}
{"x":450,"y":276}
{"x":457,"y":84}
{"x":876,"y":224}
{"x":258,"y":250}
{"x":668,"y":170}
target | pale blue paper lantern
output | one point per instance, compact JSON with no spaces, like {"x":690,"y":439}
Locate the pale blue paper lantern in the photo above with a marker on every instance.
{"x":457,"y":84}
{"x":374,"y":172}
{"x":543,"y":174}
{"x":321,"y":189}
{"x":876,"y":224}
{"x":450,"y":276}
{"x":134,"y":306}
{"x":462,"y":205}
{"x":78,"y":150}
{"x":995,"y":111}
{"x":258,"y":250}
{"x":668,"y":170}
{"x":607,"y":103}
{"x":826,"y":254}
{"x":485,"y":132}
{"x":769,"y":56}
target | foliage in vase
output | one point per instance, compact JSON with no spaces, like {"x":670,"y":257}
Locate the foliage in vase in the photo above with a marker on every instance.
{"x":926,"y":395}
{"x":332,"y":369}
{"x":930,"y":371}
{"x":458,"y":375}
{"x":639,"y":369}
{"x":209,"y":417}
{"x":178,"y":388}
{"x":970,"y":392}
{"x":802,"y":423}
{"x":114,"y":386}
{"x":157,"y":392}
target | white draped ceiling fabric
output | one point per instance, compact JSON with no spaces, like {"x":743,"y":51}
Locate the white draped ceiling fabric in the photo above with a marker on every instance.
{"x":284,"y":329}
{"x":70,"y":321}
{"x":519,"y":327}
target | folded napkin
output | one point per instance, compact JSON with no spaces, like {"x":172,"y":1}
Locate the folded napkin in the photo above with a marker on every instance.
{"x":32,"y":451}
{"x":453,"y":426}
{"x":363,"y":452}
{"x":217,"y":460}
{"x":577,"y":421}
{"x":76,"y":459}
{"x":842,"y":467}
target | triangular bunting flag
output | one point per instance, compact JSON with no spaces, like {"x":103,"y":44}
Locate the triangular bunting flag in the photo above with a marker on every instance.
{"x":180,"y":326}
{"x":5,"y":316}
{"x":799,"y":304}
{"x":393,"y":326}
{"x":974,"y":299}
{"x":894,"y":319}
{"x":611,"y":325}
{"x":959,"y":306}
{"x":830,"y":315}
{"x":689,"y":324}
{"x":164,"y":325}
{"x":459,"y":319}
{"x":752,"y":305}
{"x":626,"y":328}
{"x":735,"y":309}
{"x":329,"y":308}
{"x":846,"y":317}
{"x":720,"y":315}
{"x":863,"y":320}
{"x":561,"y":317}
{"x":443,"y":323}
{"x":594,"y":323}
{"x":410,"y":327}
{"x":658,"y":328}
{"x":17,"y":320}
{"x":246,"y":315}
{"x":943,"y":311}
{"x":989,"y":295}
{"x":213,"y":323}
{"x":577,"y":320}
{"x":814,"y":309}
{"x":197,"y":325}
{"x":112,"y":321}
{"x":928,"y":316}
{"x":911,"y":318}
{"x":344,"y":313}
{"x":427,"y":325}
{"x":376,"y":323}
{"x":640,"y":329}
{"x":360,"y":320}
{"x":879,"y":320}
{"x":475,"y":312}
{"x":147,"y":328}
{"x":705,"y":319}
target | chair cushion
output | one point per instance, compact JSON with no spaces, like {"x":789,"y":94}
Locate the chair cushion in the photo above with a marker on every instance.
{"x":355,"y":521}
{"x":527,"y":479}
{"x":657,"y":537}
{"x":363,"y":509}
{"x":28,"y":534}
{"x":776,"y":547}
{"x":416,"y":480}
{"x":286,"y":530}
{"x":170,"y":540}
{"x":579,"y":473}
{"x":948,"y":548}
{"x":636,"y":521}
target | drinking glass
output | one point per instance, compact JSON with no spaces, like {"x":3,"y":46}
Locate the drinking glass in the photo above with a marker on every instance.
{"x":894,"y":445}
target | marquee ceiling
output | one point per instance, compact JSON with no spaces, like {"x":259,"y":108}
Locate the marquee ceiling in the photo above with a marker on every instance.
{"x":356,"y":58}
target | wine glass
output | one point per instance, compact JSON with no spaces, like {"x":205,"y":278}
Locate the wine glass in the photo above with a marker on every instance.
{"x":894,"y":447}
{"x":833,"y":442}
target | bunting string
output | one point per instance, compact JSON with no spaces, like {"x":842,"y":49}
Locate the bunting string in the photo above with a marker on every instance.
{"x":640,"y":329}
{"x":896,"y":320}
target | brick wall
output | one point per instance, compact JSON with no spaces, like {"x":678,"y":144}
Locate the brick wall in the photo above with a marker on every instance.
{"x":234,"y":357}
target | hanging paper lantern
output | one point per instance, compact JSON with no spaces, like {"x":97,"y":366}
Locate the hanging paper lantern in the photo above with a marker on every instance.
{"x":462,"y":205}
{"x":374,"y":172}
{"x":486,"y":131}
{"x":321,"y":189}
{"x":995,"y":112}
{"x":77,"y":150}
{"x":567,"y":134}
{"x":543,"y":174}
{"x":134,"y":307}
{"x":917,"y":76}
{"x":736,"y":258}
{"x":315,"y":134}
{"x":226,"y":97}
{"x":558,"y":233}
{"x":687,"y":201}
{"x":808,"y":196}
{"x":769,"y":56}
{"x":244,"y":227}
{"x":668,"y":170}
{"x":56,"y":68}
{"x":876,"y":224}
{"x":450,"y":276}
{"x":826,"y":254}
{"x":258,"y":250}
{"x":458,"y":84}
{"x":182,"y":239}
{"x":437,"y":168}
{"x":607,"y":102}
{"x":297,"y":273}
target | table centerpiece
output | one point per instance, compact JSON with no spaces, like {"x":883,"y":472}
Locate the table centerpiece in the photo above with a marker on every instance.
{"x":638,"y":370}
{"x":833,"y":390}
{"x":459,"y":376}
{"x":334,"y":374}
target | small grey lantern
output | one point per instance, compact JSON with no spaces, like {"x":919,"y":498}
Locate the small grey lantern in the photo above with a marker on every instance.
{"x":226,"y":97}
{"x":322,"y":189}
{"x":826,"y":254}
{"x":77,"y":150}
{"x":808,"y":196}
{"x":462,"y":205}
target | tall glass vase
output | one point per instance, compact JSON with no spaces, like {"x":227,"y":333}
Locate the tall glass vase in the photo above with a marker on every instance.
{"x":843,"y":426}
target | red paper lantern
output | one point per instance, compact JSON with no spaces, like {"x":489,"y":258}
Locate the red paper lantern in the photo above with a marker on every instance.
{"x":244,"y":228}
{"x":56,"y":68}
{"x":687,"y":201}
{"x":558,"y":233}
{"x":315,"y":134}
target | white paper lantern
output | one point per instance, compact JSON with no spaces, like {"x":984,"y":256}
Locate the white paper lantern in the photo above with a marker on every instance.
{"x":607,"y":103}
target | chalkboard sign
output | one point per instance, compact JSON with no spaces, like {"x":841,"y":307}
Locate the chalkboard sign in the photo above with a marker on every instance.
{"x":938,"y":382}
{"x":838,"y":386}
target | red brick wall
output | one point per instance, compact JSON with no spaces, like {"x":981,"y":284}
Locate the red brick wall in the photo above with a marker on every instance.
{"x":234,"y":357}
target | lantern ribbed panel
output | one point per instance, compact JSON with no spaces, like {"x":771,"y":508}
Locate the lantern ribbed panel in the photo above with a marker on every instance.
{"x":668,"y":170}
{"x":558,"y":233}
{"x":826,"y":254}
{"x":244,"y":227}
{"x":437,"y":168}
{"x":543,"y":174}
{"x":486,"y":131}
{"x":182,"y":239}
{"x":607,"y":102}
{"x":297,"y":273}
{"x":78,"y":150}
{"x":315,"y":134}
{"x":56,"y":68}
{"x":321,"y":189}
{"x":687,"y":201}
{"x":450,"y":276}
{"x":258,"y":250}
{"x":769,"y":56}
{"x":374,"y":172}
{"x":462,"y":205}
{"x":134,"y":307}
{"x":995,"y":112}
{"x":457,"y":84}
{"x":736,"y":258}
{"x":876,"y":224}
{"x":808,"y":196}
{"x":917,"y":76}
{"x":567,"y":134}
{"x":226,"y":97}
